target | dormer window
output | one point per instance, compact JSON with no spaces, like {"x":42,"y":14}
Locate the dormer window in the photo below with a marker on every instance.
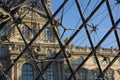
{"x":49,"y":34}
{"x":108,"y":60}
{"x":35,"y":28}
{"x":81,"y":59}
{"x":94,"y":60}
{"x":26,"y":32}
{"x":49,"y":53}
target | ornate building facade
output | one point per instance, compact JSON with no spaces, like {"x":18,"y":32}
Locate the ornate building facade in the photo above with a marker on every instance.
{"x":44,"y":48}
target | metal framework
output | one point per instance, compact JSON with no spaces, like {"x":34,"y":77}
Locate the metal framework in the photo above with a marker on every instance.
{"x":10,"y":9}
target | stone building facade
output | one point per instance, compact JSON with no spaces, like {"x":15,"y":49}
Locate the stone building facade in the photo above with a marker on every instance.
{"x":44,"y":48}
{"x":90,"y":70}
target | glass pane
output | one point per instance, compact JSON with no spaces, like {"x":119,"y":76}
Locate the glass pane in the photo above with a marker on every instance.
{"x":29,"y":78}
{"x":23,"y":78}
{"x":83,"y":74}
{"x":27,"y":72}
{"x":49,"y":74}
{"x":108,"y":60}
{"x":29,"y":67}
{"x":2,"y":51}
{"x":81,"y":59}
{"x":95,"y":62}
{"x":26,"y":32}
{"x":49,"y":35}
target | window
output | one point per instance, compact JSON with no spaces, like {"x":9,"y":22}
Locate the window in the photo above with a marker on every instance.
{"x":67,"y":75}
{"x":49,"y":34}
{"x":26,"y":32}
{"x":83,"y":74}
{"x":49,"y":53}
{"x":95,"y":62}
{"x":38,"y":2}
{"x":49,"y":74}
{"x":3,"y":51}
{"x":81,"y":59}
{"x":5,"y":32}
{"x":35,"y":28}
{"x":107,"y":60}
{"x":27,"y":72}
{"x":95,"y":74}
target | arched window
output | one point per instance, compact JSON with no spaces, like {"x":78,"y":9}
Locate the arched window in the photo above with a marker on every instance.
{"x":27,"y":72}
{"x":49,"y":34}
{"x":49,"y":74}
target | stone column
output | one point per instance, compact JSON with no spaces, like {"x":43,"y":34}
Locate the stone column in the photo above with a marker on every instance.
{"x":15,"y":71}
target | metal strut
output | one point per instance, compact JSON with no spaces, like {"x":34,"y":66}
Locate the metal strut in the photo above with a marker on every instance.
{"x":88,"y":34}
{"x":13,"y":9}
{"x":49,"y":15}
{"x":34,"y":38}
{"x":116,"y":35}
